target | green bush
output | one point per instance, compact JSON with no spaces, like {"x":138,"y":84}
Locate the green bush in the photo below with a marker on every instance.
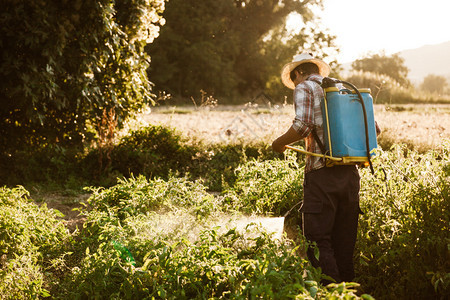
{"x":68,"y":63}
{"x":32,"y":243}
{"x":268,"y":187}
{"x":117,"y":212}
{"x":217,"y":163}
{"x":49,"y":164}
{"x":215,"y":266}
{"x":154,"y":151}
{"x":134,"y":196}
{"x":167,"y":265}
{"x":403,"y":243}
{"x":158,"y":152}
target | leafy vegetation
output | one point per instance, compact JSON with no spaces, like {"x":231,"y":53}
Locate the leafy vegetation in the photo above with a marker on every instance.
{"x":383,"y":88}
{"x":66,"y":62}
{"x":392,"y":66}
{"x":270,"y":186}
{"x":387,"y":78}
{"x":34,"y":244}
{"x":154,"y":237}
{"x":73,"y":72}
{"x":434,"y":84}
{"x":165,"y":264}
{"x":403,"y":238}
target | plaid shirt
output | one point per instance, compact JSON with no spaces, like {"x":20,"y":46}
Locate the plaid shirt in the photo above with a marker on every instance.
{"x":308,"y":114}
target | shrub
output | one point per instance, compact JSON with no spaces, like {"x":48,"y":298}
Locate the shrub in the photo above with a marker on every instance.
{"x":153,"y":151}
{"x":168,"y":265}
{"x":134,"y":196}
{"x":68,"y":63}
{"x":215,"y":266}
{"x":216,"y":165}
{"x":32,"y":242}
{"x":117,"y":213}
{"x":48,"y":164}
{"x":403,"y":238}
{"x":268,"y":187}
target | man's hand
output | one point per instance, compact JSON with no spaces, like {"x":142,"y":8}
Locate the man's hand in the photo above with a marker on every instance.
{"x":279,"y":145}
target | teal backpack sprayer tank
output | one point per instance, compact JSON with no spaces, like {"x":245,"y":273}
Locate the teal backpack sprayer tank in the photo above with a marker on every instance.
{"x":349,"y":125}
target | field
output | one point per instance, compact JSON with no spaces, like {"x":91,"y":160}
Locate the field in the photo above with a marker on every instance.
{"x":192,"y":225}
{"x":421,"y":126}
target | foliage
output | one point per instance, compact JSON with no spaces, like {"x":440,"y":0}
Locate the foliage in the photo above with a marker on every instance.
{"x":392,"y":66}
{"x":434,"y":84}
{"x":217,"y":163}
{"x":64,"y":62}
{"x":168,"y":228}
{"x":403,"y":239}
{"x":229,"y":47}
{"x":32,"y":243}
{"x":154,"y":151}
{"x":159,"y":151}
{"x":213,"y":264}
{"x":48,"y":165}
{"x":138,"y":196}
{"x":268,"y":187}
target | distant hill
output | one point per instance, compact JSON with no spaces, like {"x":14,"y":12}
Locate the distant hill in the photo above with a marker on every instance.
{"x":429,"y":59}
{"x":422,"y":61}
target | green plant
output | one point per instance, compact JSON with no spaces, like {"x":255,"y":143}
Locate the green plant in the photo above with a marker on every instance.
{"x":181,"y":262}
{"x":134,"y":196}
{"x":216,"y":265}
{"x":154,"y":151}
{"x":32,"y":242}
{"x":268,"y":187}
{"x":402,"y":249}
{"x":67,"y":63}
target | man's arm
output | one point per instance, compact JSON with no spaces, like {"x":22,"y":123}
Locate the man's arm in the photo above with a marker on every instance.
{"x":290,"y":136}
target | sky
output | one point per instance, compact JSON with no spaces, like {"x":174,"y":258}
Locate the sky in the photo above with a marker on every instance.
{"x":372,"y":26}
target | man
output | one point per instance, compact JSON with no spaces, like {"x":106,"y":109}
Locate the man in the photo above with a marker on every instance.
{"x":330,"y":206}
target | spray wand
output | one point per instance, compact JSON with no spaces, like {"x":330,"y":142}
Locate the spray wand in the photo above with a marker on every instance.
{"x":314,"y":154}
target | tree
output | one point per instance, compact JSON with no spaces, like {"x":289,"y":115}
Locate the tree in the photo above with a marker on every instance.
{"x":392,"y":66}
{"x":64,"y":63}
{"x":229,"y":47}
{"x":195,"y":50}
{"x":434,"y":84}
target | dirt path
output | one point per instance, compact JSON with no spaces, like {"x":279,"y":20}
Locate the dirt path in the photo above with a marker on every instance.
{"x":67,"y":204}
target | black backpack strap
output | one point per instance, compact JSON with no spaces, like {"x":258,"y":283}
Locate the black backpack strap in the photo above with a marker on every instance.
{"x":318,"y":141}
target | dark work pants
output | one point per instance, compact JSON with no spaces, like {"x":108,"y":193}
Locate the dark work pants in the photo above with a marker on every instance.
{"x":330,"y":218}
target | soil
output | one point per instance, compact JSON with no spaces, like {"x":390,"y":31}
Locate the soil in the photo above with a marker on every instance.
{"x":66,"y":204}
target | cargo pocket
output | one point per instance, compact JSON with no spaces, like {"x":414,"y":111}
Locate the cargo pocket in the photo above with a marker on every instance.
{"x":311,"y":203}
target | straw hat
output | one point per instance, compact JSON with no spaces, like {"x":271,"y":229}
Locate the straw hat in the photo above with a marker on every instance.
{"x":324,"y":68}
